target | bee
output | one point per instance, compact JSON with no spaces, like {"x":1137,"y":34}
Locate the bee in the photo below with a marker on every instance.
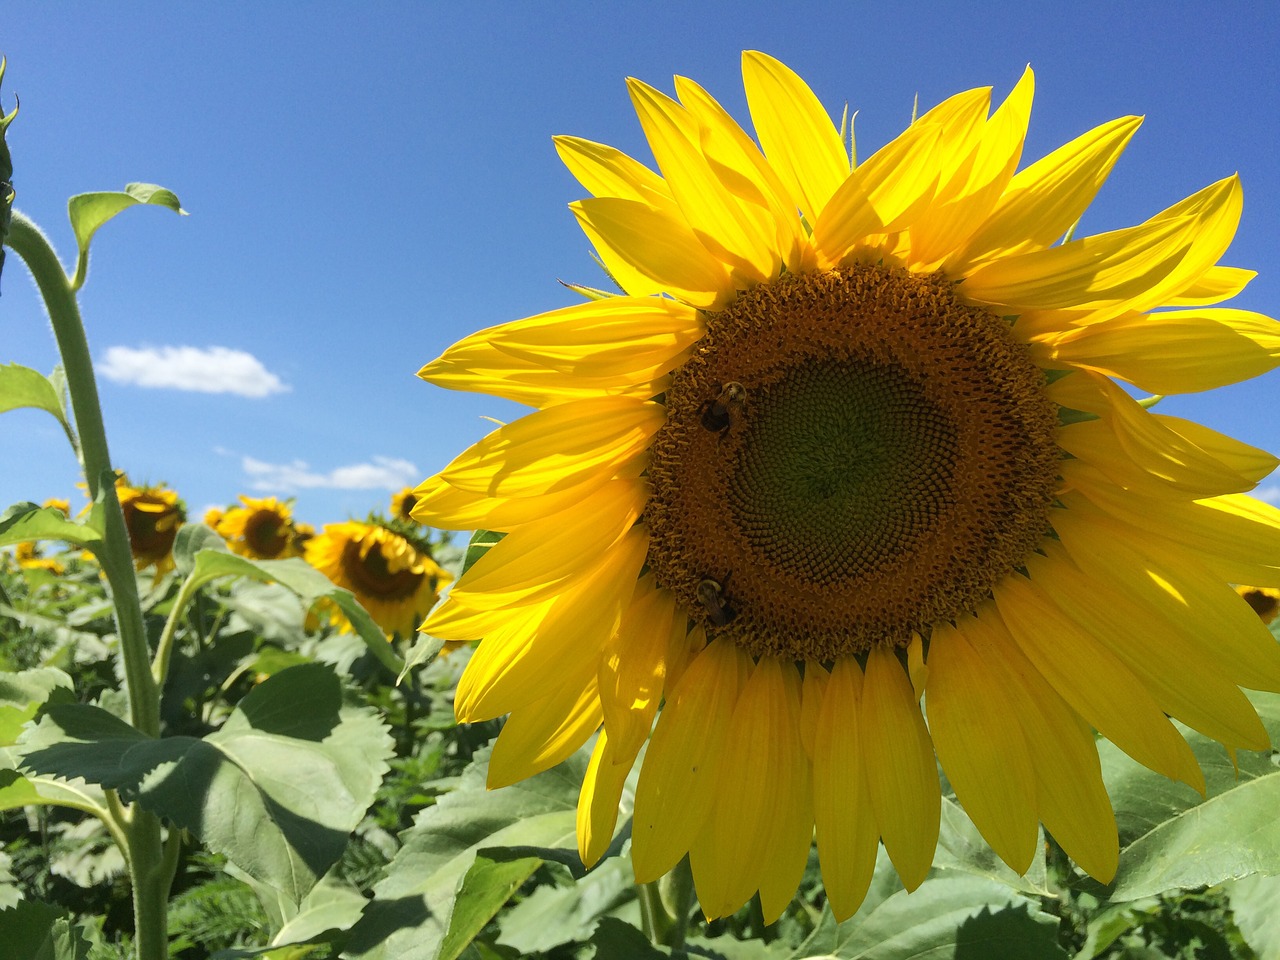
{"x":718,"y":414}
{"x":711,"y":595}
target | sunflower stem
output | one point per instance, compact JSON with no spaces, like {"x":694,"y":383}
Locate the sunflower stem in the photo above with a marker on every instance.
{"x":654,"y":919}
{"x":139,"y":830}
{"x":678,"y":887}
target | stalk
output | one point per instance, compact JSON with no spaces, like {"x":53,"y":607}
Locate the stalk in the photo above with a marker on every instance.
{"x":149,"y":870}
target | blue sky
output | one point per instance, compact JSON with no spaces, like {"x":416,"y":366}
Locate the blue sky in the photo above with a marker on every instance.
{"x":369,"y":182}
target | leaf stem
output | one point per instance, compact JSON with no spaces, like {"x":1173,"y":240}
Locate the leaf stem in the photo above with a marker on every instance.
{"x":678,"y":887}
{"x":164,"y":648}
{"x":654,"y":920}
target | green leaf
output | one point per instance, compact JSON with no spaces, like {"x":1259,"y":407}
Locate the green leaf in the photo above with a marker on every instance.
{"x":423,"y":652}
{"x":613,"y":938}
{"x":1255,"y":904}
{"x":330,"y":908}
{"x":555,"y":915}
{"x":191,"y":539}
{"x":40,"y":931}
{"x":277,"y":790}
{"x":1171,"y":837}
{"x":947,"y":915}
{"x":961,"y":847}
{"x":26,"y":521}
{"x":89,"y":211}
{"x":479,"y":545}
{"x":485,"y":888}
{"x":21,"y":695}
{"x":415,"y":905}
{"x":24,"y":387}
{"x":308,"y":583}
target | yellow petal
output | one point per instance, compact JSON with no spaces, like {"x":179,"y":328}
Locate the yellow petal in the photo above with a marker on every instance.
{"x":797,"y":135}
{"x":557,"y":448}
{"x":538,"y":559}
{"x":815,"y":682}
{"x":845,"y":824}
{"x":540,"y":735}
{"x":751,"y":841}
{"x":970,"y":196}
{"x":1135,"y":449}
{"x":1104,"y":269}
{"x":440,"y":505}
{"x":1176,"y":351}
{"x":684,"y":644}
{"x":606,"y":172}
{"x":648,"y":250}
{"x":715,"y":216}
{"x":601,"y":794}
{"x":1177,"y":592}
{"x":1216,"y":284}
{"x":744,"y":172}
{"x":883,"y":195}
{"x":902,"y":776}
{"x":1070,"y":794}
{"x":1042,"y":202}
{"x":1094,"y":681}
{"x":517,"y":661}
{"x":681,"y":770}
{"x":633,"y":666}
{"x":981,"y":746}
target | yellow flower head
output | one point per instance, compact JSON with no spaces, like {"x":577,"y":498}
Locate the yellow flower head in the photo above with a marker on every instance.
{"x":152,"y":515}
{"x":261,"y":529}
{"x":853,"y":434}
{"x":395,"y":581}
{"x":1265,"y":601}
{"x":402,"y":504}
{"x":30,"y":557}
{"x":213,"y":516}
{"x":58,"y":504}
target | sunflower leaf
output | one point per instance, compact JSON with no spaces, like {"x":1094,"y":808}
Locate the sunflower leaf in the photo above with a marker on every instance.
{"x":949,"y":913}
{"x":26,"y":521}
{"x":23,"y":387}
{"x":34,"y":930}
{"x":1255,"y":904}
{"x":89,"y":211}
{"x":1172,"y":838}
{"x":308,"y":583}
{"x":479,"y":545}
{"x":429,"y":902}
{"x":277,"y":790}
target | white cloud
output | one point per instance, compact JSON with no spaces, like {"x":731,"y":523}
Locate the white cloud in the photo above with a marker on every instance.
{"x":212,"y":370}
{"x":1269,"y":494}
{"x":383,"y":473}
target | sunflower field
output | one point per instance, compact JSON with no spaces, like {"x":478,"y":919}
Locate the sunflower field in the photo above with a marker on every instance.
{"x":844,"y":595}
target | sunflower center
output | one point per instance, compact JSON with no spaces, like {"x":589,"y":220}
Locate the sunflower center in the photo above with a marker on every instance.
{"x":266,"y":532}
{"x":370,"y":573}
{"x":849,"y":458}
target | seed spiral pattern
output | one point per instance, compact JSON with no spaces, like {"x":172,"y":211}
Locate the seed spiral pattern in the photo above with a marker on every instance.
{"x":848,"y":458}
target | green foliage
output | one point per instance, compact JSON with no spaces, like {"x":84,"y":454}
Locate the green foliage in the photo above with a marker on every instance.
{"x":89,"y":211}
{"x":24,"y":387}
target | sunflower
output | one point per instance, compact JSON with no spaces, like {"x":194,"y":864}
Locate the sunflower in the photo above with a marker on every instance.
{"x":152,"y":515}
{"x":392,"y":578}
{"x":261,"y":529}
{"x":402,"y":504}
{"x":854,"y":436}
{"x":1264,"y":601}
{"x":31,"y":557}
{"x":58,"y":503}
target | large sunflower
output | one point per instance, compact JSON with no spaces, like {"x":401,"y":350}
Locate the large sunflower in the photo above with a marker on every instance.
{"x":393,"y":579}
{"x":854,"y":434}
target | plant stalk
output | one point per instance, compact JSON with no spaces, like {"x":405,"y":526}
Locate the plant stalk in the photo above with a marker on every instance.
{"x":149,"y":870}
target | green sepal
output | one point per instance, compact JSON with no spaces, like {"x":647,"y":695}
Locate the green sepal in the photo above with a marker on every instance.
{"x":89,"y":211}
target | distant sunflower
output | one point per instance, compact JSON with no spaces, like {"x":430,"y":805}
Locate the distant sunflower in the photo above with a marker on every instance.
{"x":402,"y":504}
{"x":58,"y":503}
{"x":152,"y":515}
{"x":395,"y":581}
{"x":864,"y":442}
{"x":262,"y":529}
{"x":31,"y":557}
{"x":1264,"y":601}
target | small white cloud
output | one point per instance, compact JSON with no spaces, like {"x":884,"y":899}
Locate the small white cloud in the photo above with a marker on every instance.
{"x":383,"y":473}
{"x":1269,"y":494}
{"x":212,"y":370}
